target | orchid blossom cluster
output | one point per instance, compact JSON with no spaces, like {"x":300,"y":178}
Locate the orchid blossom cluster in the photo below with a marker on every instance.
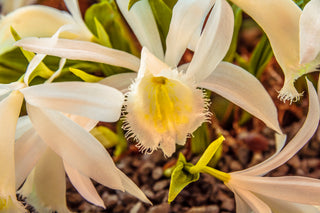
{"x":161,"y":98}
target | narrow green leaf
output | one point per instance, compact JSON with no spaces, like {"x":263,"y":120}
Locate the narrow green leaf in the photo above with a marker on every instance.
{"x":170,"y":3}
{"x":210,"y":151}
{"x":162,"y":14}
{"x":237,"y":25}
{"x":131,"y":3}
{"x":180,"y":177}
{"x":42,"y":70}
{"x":103,"y":37}
{"x":201,"y":139}
{"x":85,"y":76}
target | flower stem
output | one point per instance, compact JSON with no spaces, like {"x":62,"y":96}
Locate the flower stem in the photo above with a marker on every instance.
{"x":225,"y":177}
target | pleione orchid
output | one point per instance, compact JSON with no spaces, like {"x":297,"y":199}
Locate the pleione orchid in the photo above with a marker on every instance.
{"x":293,"y":34}
{"x":38,"y":20}
{"x":61,"y":115}
{"x":164,"y":105}
{"x":252,"y":191}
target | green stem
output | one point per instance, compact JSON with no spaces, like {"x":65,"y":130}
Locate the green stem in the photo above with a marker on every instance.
{"x":225,"y":177}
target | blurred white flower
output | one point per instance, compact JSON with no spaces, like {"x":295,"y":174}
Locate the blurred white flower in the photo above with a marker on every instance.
{"x":294,"y":194}
{"x":43,"y":21}
{"x":164,"y":105}
{"x":10,"y":5}
{"x":294,"y":36}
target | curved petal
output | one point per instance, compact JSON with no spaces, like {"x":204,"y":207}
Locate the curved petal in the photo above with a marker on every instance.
{"x":23,"y":125}
{"x":9,"y":113}
{"x":80,"y":50}
{"x":214,"y":42}
{"x":34,"y":20}
{"x":75,"y":146}
{"x":28,"y":150}
{"x":277,"y":205}
{"x":90,"y":100}
{"x":36,"y":60}
{"x":310,"y":32}
{"x":132,"y":188}
{"x":243,"y":89}
{"x":187,"y":16}
{"x":290,"y":188}
{"x":84,"y":186}
{"x":86,"y":123}
{"x":253,"y":201}
{"x":141,"y":20}
{"x":120,"y":81}
{"x":279,"y":19}
{"x":300,"y":139}
{"x":45,"y":187}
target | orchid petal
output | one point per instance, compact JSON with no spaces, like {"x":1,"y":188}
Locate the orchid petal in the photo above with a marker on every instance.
{"x":132,"y":188}
{"x":84,"y":186}
{"x":310,"y":32}
{"x":36,"y":60}
{"x":187,"y":16}
{"x":243,"y":89}
{"x":35,"y":20}
{"x":23,"y":125}
{"x":80,"y":50}
{"x":45,"y":188}
{"x":241,"y":205}
{"x":75,"y":146}
{"x":214,"y":42}
{"x":9,"y":113}
{"x":277,"y":205}
{"x":279,"y":19}
{"x":290,"y":188}
{"x":90,"y":100}
{"x":300,"y":139}
{"x":58,"y":71}
{"x":86,"y":123}
{"x":28,"y":150}
{"x":150,"y":63}
{"x":142,"y":22}
{"x":120,"y":81}
{"x":253,"y":202}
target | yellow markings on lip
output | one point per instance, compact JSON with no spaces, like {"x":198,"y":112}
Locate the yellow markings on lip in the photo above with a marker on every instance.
{"x":3,"y":204}
{"x":167,"y":109}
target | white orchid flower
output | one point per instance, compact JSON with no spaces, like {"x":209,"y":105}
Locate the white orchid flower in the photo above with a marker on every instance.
{"x":293,"y":34}
{"x":43,"y":21}
{"x":33,"y":158}
{"x":164,"y":105}
{"x":280,"y":194}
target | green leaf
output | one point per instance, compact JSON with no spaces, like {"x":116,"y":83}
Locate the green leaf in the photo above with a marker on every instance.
{"x":162,"y":14}
{"x":106,"y":137}
{"x":180,"y":177}
{"x":103,"y":37}
{"x":234,"y":42}
{"x":110,"y":19}
{"x":210,"y":151}
{"x":301,"y":3}
{"x":41,"y":70}
{"x":170,"y":3}
{"x":131,"y":3}
{"x":260,"y":57}
{"x":85,"y":76}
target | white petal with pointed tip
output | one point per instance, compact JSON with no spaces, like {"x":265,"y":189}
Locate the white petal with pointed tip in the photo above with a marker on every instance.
{"x":214,"y":41}
{"x":120,"y":81}
{"x":310,"y":32}
{"x":23,"y":125}
{"x":132,"y":188}
{"x":90,"y":100}
{"x":187,"y":17}
{"x":45,"y":187}
{"x":300,"y":139}
{"x":35,"y":20}
{"x":75,"y":146}
{"x":28,"y":150}
{"x":83,"y":185}
{"x":141,"y":20}
{"x":80,"y":50}
{"x":280,"y":21}
{"x":243,"y":89}
{"x":36,"y":60}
